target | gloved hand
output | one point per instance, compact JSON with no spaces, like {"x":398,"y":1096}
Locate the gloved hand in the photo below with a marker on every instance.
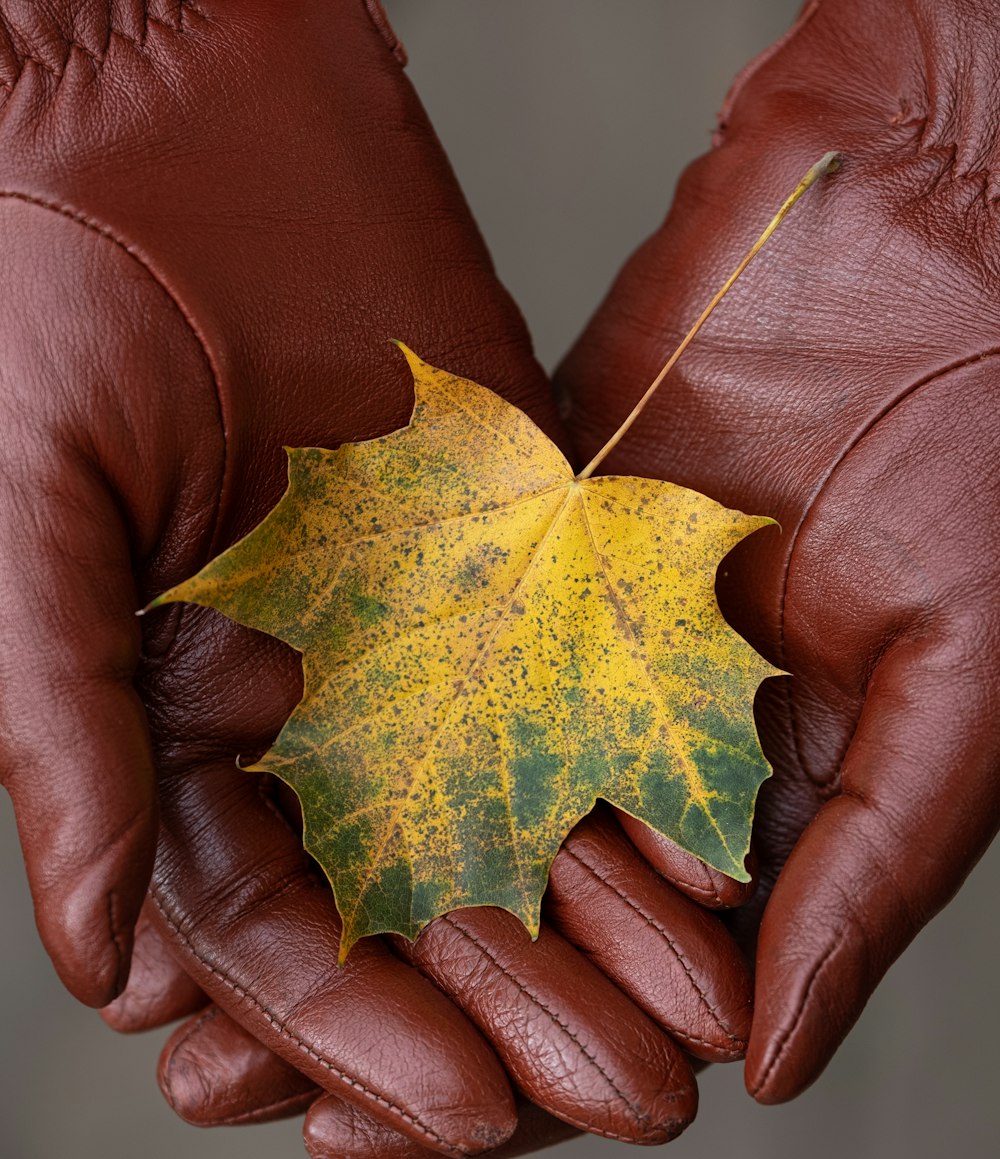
{"x":546,"y":1010}
{"x":847,"y":387}
{"x":213,"y":222}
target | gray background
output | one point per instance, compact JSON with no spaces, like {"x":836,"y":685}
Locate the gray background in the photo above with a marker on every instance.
{"x":568,"y":122}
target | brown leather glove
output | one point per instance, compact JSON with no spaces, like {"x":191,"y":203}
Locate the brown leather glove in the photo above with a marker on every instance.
{"x":846,"y":387}
{"x":548,"y":1012}
{"x":213,"y":221}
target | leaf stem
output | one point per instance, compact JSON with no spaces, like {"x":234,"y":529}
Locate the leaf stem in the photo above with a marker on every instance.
{"x":829,"y":163}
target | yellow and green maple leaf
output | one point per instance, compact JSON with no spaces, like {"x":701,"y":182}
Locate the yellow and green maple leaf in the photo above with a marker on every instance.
{"x":489,"y":645}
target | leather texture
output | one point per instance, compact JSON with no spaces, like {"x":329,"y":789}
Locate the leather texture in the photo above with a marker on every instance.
{"x":212,"y":1071}
{"x":215,"y":215}
{"x":568,"y":1038}
{"x":848,"y":387}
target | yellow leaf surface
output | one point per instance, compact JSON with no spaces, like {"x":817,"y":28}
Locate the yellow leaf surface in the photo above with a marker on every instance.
{"x":490,"y":645}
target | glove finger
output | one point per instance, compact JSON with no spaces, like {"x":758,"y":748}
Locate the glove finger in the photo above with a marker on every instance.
{"x":158,"y":990}
{"x":917,"y":808}
{"x":684,"y":871}
{"x":571,"y":1041}
{"x":75,"y":753}
{"x":677,"y":962}
{"x":213,"y":1074}
{"x":337,"y":1130}
{"x":259,"y":933}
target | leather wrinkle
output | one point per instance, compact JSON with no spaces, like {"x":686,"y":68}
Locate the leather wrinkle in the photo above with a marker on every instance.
{"x":19,"y":57}
{"x":296,"y":1040}
{"x":288,"y":1102}
{"x":709,"y":891}
{"x":88,"y":460}
{"x":206,"y":1016}
{"x":105,"y":231}
{"x":118,"y":939}
{"x":641,"y":1115}
{"x":264,"y":792}
{"x":787,"y":1034}
{"x":140,"y":816}
{"x":887,"y":868}
{"x":709,"y":894}
{"x":110,"y":32}
{"x":293,"y":881}
{"x":685,"y":965}
{"x":821,"y":488}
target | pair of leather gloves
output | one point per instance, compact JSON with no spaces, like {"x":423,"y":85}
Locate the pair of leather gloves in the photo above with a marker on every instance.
{"x":214,"y":213}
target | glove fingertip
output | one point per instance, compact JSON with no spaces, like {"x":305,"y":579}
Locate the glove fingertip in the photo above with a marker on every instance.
{"x":159,"y":991}
{"x":213,"y":1073}
{"x":90,"y":940}
{"x":708,"y":887}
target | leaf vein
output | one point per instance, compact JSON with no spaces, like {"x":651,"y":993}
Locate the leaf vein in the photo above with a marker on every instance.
{"x":433,"y":740}
{"x":694,"y":782}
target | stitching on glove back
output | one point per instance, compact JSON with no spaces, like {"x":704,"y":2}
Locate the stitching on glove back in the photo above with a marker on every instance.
{"x":642,"y":1117}
{"x":685,"y":965}
{"x":797,"y":533}
{"x":276,"y":1024}
{"x":106,"y":232}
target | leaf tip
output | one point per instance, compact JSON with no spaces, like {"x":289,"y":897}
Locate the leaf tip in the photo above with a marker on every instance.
{"x":160,"y":601}
{"x":416,"y":363}
{"x":256,"y":767}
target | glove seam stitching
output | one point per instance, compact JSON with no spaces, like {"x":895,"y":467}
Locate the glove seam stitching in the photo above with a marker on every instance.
{"x":685,"y":965}
{"x":642,"y":1115}
{"x":300,"y":1043}
{"x":817,"y":496}
{"x":103,"y":230}
{"x":786,"y":1037}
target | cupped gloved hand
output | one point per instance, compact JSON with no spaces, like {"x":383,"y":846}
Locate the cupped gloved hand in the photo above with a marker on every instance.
{"x":215,"y":214}
{"x":848,"y":388}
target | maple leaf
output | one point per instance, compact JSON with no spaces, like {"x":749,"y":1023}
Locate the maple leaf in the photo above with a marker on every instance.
{"x":490,"y":644}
